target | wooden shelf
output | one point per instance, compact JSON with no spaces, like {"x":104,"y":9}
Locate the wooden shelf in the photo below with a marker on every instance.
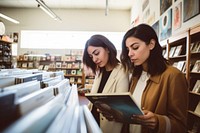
{"x":5,"y":55}
{"x":186,"y":39}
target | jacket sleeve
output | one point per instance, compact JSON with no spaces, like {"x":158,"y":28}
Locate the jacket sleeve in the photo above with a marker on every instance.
{"x":177,"y":104}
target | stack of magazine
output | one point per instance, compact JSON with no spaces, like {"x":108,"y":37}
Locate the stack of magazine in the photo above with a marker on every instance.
{"x":28,"y":107}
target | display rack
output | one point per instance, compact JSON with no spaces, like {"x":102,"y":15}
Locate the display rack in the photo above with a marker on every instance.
{"x":183,"y":51}
{"x":5,"y":55}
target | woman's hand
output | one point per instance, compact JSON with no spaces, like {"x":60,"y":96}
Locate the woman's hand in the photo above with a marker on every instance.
{"x":106,"y":114}
{"x":109,"y":113}
{"x":148,"y":120}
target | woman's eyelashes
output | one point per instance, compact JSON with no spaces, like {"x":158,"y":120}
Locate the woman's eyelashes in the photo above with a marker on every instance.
{"x":133,"y":48}
{"x":96,"y":53}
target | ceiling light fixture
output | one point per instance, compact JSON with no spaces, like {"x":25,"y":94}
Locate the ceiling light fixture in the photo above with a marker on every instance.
{"x":106,"y":11}
{"x":47,"y":10}
{"x":9,"y":18}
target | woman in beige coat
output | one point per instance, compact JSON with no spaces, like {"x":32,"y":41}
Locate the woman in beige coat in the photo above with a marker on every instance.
{"x":100,"y":55}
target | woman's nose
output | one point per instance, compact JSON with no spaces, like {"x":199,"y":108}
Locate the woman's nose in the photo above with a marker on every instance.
{"x":130,"y":53}
{"x":95,"y":59}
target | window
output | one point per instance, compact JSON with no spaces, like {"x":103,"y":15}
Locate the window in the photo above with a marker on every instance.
{"x":64,"y":39}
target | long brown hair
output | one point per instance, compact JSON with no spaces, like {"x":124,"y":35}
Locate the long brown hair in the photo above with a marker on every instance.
{"x":100,"y":41}
{"x":156,"y":62}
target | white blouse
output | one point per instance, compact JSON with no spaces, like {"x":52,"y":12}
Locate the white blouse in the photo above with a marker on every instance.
{"x":137,"y":94}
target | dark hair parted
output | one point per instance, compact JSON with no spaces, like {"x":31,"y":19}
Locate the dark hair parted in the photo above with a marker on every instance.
{"x":156,"y":63}
{"x":100,"y":41}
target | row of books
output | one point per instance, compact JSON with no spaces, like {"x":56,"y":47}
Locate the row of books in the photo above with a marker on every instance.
{"x":50,"y":108}
{"x":195,"y":47}
{"x":196,"y":87}
{"x":10,"y":77}
{"x":56,"y":116}
{"x":26,"y":103}
{"x":75,"y":65}
{"x":68,"y":58}
{"x":196,"y":124}
{"x":67,"y":71}
{"x":56,"y":65}
{"x":30,"y":64}
{"x":181,"y":65}
{"x":196,"y":67}
{"x":175,"y":51}
{"x":18,"y":90}
{"x":197,"y":109}
{"x":77,"y":80}
{"x":73,"y":72}
{"x":26,"y":65}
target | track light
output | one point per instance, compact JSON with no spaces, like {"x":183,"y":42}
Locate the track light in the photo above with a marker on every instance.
{"x":47,"y":10}
{"x":9,"y":18}
{"x":106,"y":10}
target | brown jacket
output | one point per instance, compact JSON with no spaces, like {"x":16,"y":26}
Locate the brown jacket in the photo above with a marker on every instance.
{"x":166,"y":95}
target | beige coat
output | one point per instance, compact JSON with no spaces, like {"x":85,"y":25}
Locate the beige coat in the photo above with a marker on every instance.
{"x":166,"y":95}
{"x":117,"y":82}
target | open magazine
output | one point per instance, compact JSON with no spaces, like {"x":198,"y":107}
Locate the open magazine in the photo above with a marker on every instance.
{"x":121,"y":104}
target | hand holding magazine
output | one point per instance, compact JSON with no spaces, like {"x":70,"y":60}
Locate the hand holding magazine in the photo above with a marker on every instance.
{"x":120,"y":105}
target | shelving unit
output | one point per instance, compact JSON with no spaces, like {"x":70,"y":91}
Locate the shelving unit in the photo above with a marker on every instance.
{"x":70,"y":65}
{"x":73,"y":72}
{"x":5,"y":55}
{"x":185,"y":60}
{"x":89,"y":80}
{"x":194,"y":98}
{"x":27,"y":62}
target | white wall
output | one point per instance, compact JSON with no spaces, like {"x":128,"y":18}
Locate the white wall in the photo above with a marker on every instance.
{"x":154,"y":16}
{"x":72,"y":20}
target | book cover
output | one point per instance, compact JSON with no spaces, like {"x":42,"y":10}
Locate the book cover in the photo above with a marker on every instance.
{"x":24,"y":65}
{"x":197,"y":109}
{"x":38,"y":120}
{"x":52,"y":58}
{"x":46,"y":67}
{"x":198,"y":48}
{"x":177,"y":51}
{"x":196,"y":67}
{"x":23,"y":89}
{"x":194,"y":49}
{"x":71,"y":79}
{"x":73,"y":72}
{"x":28,"y":77}
{"x":52,"y":65}
{"x":64,"y":65}
{"x":121,"y":104}
{"x":6,"y":81}
{"x":196,"y":87}
{"x":171,"y":53}
{"x":91,"y":124}
{"x":82,"y":123}
{"x":25,"y":57}
{"x":34,"y":100}
{"x":180,"y":65}
{"x":58,"y":123}
{"x":58,"y":64}
{"x":41,"y":67}
{"x":30,"y":65}
{"x":58,"y":58}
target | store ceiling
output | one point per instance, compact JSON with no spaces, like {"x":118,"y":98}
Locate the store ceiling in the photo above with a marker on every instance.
{"x":70,"y":4}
